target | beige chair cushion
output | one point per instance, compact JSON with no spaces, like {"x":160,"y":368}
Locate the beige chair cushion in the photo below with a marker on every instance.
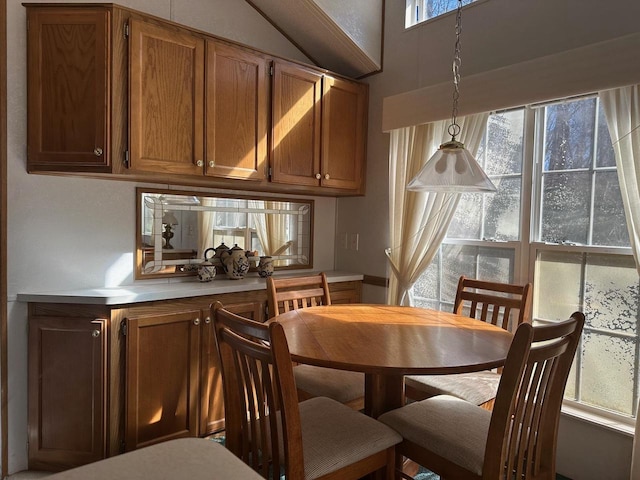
{"x":334,"y":436}
{"x":192,"y":458}
{"x":446,"y":425}
{"x":476,"y":387}
{"x":340,"y":385}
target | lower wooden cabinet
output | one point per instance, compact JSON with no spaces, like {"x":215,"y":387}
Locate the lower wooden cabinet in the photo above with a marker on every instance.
{"x":162,"y":377}
{"x":108,"y":379}
{"x":67,"y":367}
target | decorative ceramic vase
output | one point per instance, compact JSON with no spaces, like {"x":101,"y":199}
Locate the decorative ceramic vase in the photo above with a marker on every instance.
{"x":265,"y":266}
{"x":206,"y":270}
{"x":235,"y":262}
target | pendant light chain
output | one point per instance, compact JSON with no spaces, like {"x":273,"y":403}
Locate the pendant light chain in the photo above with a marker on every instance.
{"x":454,"y":128}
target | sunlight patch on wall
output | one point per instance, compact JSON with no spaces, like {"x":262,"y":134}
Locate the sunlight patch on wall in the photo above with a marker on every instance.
{"x":120,"y":271}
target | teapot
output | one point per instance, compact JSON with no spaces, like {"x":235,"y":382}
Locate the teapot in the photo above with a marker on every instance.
{"x":265,"y":266}
{"x":219,"y":249}
{"x":206,"y":270}
{"x":235,"y":262}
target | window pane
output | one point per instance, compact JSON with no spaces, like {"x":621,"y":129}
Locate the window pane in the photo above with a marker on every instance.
{"x":437,"y":287}
{"x":609,"y":224}
{"x":607,"y":372}
{"x":555,"y":270}
{"x":496,"y":264}
{"x":504,"y":143}
{"x":467,"y":221}
{"x":456,"y":260}
{"x":611,"y":296}
{"x":566,"y":199}
{"x":569,"y":131}
{"x":420,"y":10}
{"x":605,"y":156}
{"x":503,"y":211}
{"x":426,"y":291}
{"x":495,"y":216}
{"x":603,"y":374}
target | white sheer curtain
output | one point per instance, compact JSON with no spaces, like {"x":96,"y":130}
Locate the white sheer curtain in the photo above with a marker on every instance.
{"x":419,"y":220}
{"x":622,"y":108}
{"x":205,"y":227}
{"x":271,"y":228}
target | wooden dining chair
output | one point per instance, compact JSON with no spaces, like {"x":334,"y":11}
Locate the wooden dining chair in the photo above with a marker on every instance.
{"x":270,"y":430}
{"x":518,"y":439}
{"x":293,"y":293}
{"x":500,"y":304}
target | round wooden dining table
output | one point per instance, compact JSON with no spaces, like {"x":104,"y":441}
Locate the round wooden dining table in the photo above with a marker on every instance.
{"x":386,"y":342}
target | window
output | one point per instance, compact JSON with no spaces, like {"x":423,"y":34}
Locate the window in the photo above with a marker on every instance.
{"x":418,"y":11}
{"x":235,"y":227}
{"x":557,"y":219}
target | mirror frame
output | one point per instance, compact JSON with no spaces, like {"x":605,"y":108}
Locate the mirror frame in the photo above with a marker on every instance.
{"x":139,"y":273}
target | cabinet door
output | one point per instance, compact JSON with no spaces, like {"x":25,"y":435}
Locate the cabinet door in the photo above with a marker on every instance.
{"x":297,"y":92}
{"x":236,"y":113}
{"x":68,"y":89}
{"x":162,"y":374}
{"x":344,"y":133}
{"x":212,"y":398}
{"x":67,"y":378}
{"x":345,"y":292}
{"x":166,"y":99}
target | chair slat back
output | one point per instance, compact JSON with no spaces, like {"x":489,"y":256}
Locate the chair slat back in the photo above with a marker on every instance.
{"x":262,"y":419}
{"x":524,"y":423}
{"x":293,"y":293}
{"x":493,"y":302}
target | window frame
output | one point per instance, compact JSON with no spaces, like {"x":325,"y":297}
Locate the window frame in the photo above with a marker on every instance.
{"x":527,"y":249}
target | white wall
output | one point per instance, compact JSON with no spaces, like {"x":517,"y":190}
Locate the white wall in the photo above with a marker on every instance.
{"x":496,"y":33}
{"x":73,"y":232}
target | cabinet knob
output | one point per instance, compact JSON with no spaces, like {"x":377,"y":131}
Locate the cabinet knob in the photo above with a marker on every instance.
{"x":95,"y":333}
{"x":97,"y":152}
{"x":212,"y":164}
{"x":326,"y":176}
{"x":196,"y":321}
{"x":318,"y":176}
{"x":199,"y":163}
{"x":207,"y":320}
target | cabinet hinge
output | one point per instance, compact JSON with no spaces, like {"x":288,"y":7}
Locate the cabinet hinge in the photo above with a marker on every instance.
{"x":271,"y":70}
{"x":126,"y":29}
{"x":126,"y":159}
{"x":123,"y":328}
{"x":269,"y":172}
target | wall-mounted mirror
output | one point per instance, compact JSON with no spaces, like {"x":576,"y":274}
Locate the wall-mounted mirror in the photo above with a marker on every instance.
{"x":175,"y":228}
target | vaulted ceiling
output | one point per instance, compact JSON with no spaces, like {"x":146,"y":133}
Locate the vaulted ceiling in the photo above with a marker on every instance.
{"x":342,"y":36}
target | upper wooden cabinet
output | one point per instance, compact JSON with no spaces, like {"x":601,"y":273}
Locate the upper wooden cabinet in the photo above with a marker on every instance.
{"x":344,"y":133}
{"x":68,"y":89}
{"x":236,"y":112}
{"x":166,"y":92}
{"x":319,"y":128}
{"x":193,"y":114}
{"x":117,"y":93}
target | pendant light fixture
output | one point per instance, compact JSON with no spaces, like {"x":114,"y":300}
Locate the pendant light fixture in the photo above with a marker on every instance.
{"x":452,"y":168}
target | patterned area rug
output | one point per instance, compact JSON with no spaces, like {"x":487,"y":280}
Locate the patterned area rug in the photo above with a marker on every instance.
{"x":424,"y":474}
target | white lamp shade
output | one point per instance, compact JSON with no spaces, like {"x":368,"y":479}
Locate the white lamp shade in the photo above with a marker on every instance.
{"x":451,"y":169}
{"x":169,"y":218}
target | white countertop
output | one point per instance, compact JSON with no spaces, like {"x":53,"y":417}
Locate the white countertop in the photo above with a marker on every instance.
{"x":144,"y":292}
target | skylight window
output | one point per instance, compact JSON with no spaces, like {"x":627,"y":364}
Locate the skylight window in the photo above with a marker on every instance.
{"x":418,"y":11}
